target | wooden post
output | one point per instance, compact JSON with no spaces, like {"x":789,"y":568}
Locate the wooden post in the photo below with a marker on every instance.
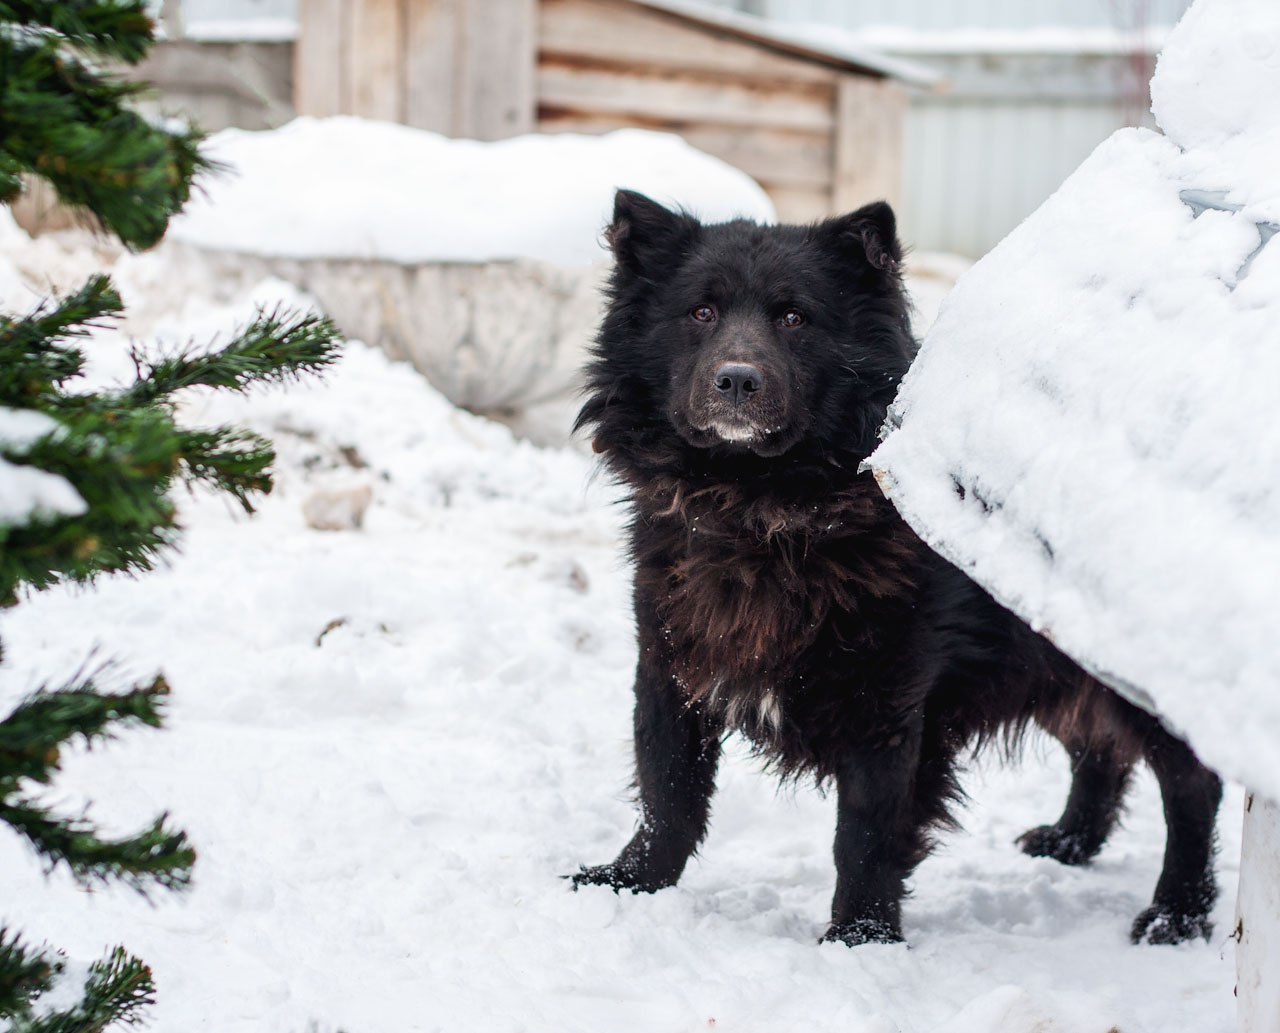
{"x":433,"y":32}
{"x":496,"y":62}
{"x":318,"y":58}
{"x":868,"y":142}
{"x":1258,"y":919}
{"x":373,"y":65}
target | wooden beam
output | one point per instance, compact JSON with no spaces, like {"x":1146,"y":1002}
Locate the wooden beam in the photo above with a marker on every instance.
{"x":318,"y":58}
{"x":374,"y":67}
{"x":433,"y":30}
{"x":573,"y":90}
{"x":780,"y":157}
{"x":497,"y":59}
{"x":868,"y":142}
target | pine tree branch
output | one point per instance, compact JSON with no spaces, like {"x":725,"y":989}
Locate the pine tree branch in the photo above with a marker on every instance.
{"x":30,"y":741}
{"x":230,"y":460}
{"x":116,"y":991}
{"x":30,"y":737}
{"x":277,"y":347}
{"x":119,"y":29}
{"x":31,"y":360}
{"x":69,"y":124}
{"x":25,"y":974}
{"x":122,"y":463}
{"x":157,"y":856}
{"x":10,"y":179}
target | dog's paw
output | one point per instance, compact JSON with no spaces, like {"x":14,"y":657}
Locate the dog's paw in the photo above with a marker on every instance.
{"x":617,"y":877}
{"x":1064,"y":846}
{"x":1163,"y":924}
{"x":862,"y":930}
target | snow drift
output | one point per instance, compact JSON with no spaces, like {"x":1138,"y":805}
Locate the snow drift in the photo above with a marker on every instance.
{"x":353,"y":188}
{"x":1090,"y":427}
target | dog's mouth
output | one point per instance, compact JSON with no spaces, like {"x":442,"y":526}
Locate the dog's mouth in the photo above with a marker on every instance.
{"x":763,"y":439}
{"x":735,"y":430}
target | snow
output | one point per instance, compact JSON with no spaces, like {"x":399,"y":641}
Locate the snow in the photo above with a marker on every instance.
{"x":389,"y":744}
{"x":346,"y":187}
{"x":1042,"y":39}
{"x":280,"y":29}
{"x":26,"y":492}
{"x":1089,"y":429}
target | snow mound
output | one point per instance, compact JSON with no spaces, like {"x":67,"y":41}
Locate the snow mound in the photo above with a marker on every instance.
{"x":1090,"y":427}
{"x":353,"y":188}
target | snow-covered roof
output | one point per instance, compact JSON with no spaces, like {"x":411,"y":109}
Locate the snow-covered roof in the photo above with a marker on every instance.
{"x":825,"y":44}
{"x":1091,"y":427}
{"x":347,"y":187}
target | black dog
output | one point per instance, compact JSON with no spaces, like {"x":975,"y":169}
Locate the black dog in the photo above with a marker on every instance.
{"x":739,"y":379}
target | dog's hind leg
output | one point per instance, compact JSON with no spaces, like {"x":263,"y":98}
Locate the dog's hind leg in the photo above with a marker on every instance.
{"x":1186,"y":889}
{"x":1100,"y":774}
{"x":677,"y":752}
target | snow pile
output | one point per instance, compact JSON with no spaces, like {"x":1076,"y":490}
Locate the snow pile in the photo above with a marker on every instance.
{"x":1090,"y":427}
{"x":352,"y":188}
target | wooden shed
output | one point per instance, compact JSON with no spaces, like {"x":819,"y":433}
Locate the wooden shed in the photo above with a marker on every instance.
{"x":818,"y":126}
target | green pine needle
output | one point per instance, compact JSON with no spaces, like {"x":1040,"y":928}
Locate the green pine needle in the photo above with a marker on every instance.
{"x":25,"y":974}
{"x":117,"y":989}
{"x":230,"y":460}
{"x":278,"y":346}
{"x":71,"y":124}
{"x":30,"y":737}
{"x":32,"y":362}
{"x":157,"y":856}
{"x":121,"y":29}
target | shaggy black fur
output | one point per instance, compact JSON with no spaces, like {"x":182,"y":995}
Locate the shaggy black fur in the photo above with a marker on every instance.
{"x":740,"y":377}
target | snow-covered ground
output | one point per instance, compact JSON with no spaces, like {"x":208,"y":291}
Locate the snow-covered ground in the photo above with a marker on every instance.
{"x":389,"y":745}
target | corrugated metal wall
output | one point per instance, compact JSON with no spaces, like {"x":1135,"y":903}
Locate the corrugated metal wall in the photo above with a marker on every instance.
{"x":1030,"y":96}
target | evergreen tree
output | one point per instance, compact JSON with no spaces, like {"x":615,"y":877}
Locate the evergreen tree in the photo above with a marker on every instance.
{"x":85,"y":477}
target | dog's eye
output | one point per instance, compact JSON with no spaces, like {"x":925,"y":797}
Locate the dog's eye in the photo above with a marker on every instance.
{"x":792,"y":319}
{"x":704,"y":314}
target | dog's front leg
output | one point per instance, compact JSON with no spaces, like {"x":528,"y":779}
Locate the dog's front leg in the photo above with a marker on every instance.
{"x":878,"y":841}
{"x":677,"y":751}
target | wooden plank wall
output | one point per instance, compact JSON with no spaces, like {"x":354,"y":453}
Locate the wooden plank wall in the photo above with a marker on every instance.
{"x":818,"y":137}
{"x":460,"y":67}
{"x":802,"y":128}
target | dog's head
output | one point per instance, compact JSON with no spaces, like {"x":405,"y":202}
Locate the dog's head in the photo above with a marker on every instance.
{"x":738,"y":339}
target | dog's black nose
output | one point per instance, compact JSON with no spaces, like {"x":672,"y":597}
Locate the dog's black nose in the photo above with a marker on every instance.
{"x":737,"y":381}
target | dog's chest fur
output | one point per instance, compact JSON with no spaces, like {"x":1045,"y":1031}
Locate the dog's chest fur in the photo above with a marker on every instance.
{"x":749,"y":586}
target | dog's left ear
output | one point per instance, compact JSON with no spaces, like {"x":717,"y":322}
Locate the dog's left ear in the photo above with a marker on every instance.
{"x":873,"y":231}
{"x":644,"y":236}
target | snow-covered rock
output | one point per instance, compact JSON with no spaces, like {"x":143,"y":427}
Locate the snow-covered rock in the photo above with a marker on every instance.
{"x":1090,"y":429}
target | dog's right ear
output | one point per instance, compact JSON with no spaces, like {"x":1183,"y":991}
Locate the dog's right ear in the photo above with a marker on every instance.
{"x":644,"y":235}
{"x":872,"y":233}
